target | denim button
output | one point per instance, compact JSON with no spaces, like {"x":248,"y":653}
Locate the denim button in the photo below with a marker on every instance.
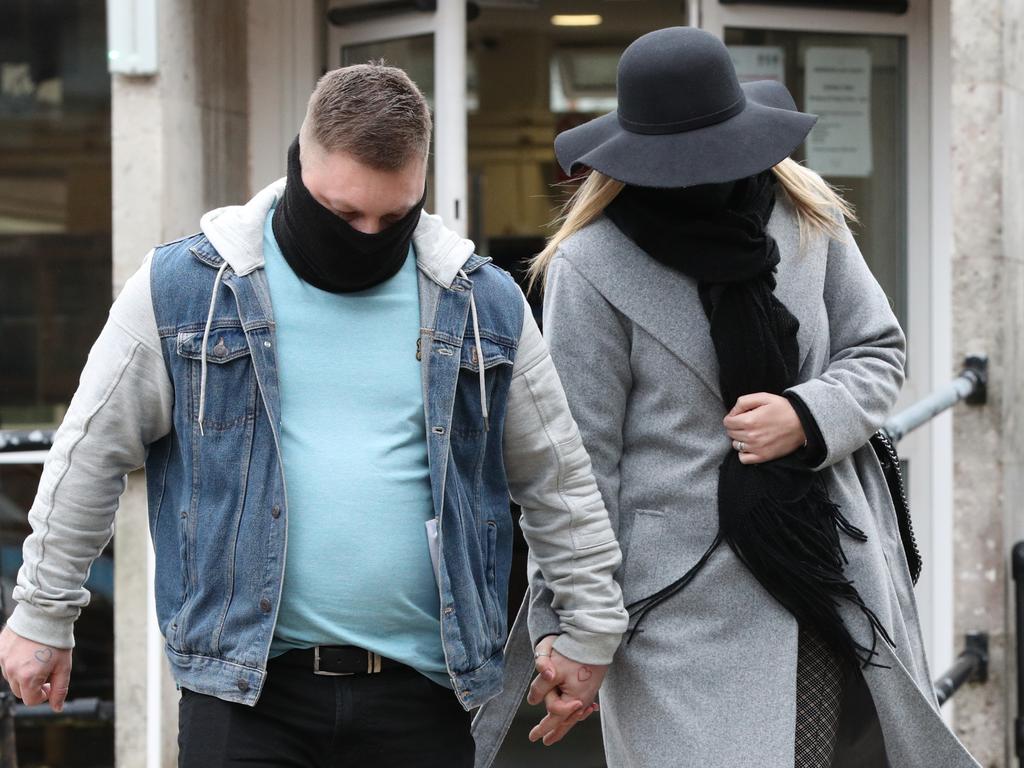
{"x":275,"y":512}
{"x":266,"y":344}
{"x":265,"y":605}
{"x":243,"y":685}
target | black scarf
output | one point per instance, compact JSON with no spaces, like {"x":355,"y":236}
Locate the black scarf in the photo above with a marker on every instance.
{"x":324,"y":250}
{"x":777,"y":516}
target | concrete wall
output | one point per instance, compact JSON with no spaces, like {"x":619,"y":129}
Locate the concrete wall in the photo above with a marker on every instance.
{"x":988,"y":305}
{"x":179,"y":149}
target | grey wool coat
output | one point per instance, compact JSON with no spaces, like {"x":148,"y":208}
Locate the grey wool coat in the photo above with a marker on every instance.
{"x":710,"y":680}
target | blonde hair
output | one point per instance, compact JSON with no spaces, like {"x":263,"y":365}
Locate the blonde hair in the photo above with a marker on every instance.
{"x":817,"y":204}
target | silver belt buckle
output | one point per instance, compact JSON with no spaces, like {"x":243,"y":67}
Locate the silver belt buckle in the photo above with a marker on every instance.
{"x":324,"y":673}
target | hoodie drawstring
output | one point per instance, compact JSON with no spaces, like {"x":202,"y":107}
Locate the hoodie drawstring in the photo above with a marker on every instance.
{"x":206,"y":339}
{"x":479,"y":352}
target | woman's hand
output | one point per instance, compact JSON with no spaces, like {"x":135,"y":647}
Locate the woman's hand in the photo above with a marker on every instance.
{"x":764,"y":427}
{"x":566,"y":688}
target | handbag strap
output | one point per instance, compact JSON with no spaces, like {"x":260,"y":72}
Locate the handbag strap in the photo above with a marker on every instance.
{"x":892,"y":469}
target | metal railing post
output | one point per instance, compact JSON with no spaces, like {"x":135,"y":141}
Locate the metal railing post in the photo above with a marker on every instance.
{"x":970,"y":386}
{"x":1017,"y":558}
{"x":971,"y":666}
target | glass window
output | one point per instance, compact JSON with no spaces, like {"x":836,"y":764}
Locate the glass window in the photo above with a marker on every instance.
{"x":55,"y":290}
{"x":856,"y":84}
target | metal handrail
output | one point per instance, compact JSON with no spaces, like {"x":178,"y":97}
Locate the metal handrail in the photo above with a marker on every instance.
{"x":971,"y":385}
{"x":25,"y":446}
{"x":971,"y":666}
{"x":26,"y":439}
{"x":80,"y":710}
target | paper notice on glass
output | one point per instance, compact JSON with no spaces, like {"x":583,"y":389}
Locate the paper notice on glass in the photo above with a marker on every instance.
{"x":838,"y":91}
{"x":759,"y":62}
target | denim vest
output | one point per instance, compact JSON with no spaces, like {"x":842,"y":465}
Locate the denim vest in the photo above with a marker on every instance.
{"x":218,"y":509}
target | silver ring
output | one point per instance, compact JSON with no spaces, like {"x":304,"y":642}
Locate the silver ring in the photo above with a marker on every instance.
{"x":741,"y":446}
{"x":538,"y":654}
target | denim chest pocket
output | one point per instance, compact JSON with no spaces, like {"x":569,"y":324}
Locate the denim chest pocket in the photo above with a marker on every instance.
{"x":497,"y":362}
{"x":494,"y":354}
{"x":230,"y":384}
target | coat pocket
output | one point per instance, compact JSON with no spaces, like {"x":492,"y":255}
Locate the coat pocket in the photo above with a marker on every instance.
{"x":642,"y":555}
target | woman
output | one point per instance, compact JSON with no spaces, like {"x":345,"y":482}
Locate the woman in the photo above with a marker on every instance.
{"x":727,"y":355}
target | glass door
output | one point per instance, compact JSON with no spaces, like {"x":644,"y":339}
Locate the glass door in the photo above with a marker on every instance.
{"x":430,"y":47}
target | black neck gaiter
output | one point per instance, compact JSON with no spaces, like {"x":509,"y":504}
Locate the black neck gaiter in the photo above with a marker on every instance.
{"x":325,"y":250}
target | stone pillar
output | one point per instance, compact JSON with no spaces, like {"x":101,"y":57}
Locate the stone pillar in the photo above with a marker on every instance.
{"x":180,"y":147}
{"x":988,"y":302}
{"x":1012,"y":348}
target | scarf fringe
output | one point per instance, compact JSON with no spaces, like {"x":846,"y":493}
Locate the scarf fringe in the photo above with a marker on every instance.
{"x":794,"y":549}
{"x":795,"y":552}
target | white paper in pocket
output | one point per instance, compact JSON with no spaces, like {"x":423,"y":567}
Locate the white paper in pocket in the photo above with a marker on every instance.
{"x":432,"y":542}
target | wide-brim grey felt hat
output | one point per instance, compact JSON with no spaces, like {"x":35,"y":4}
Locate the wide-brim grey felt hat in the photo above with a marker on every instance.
{"x":684,"y":119}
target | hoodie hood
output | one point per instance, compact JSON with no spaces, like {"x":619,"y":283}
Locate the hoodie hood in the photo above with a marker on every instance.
{"x":236,"y":231}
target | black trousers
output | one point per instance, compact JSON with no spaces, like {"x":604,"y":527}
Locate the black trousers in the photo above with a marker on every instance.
{"x":395,"y":718}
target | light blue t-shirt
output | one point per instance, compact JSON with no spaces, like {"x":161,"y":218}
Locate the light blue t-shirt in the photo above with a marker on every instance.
{"x":358,"y":569}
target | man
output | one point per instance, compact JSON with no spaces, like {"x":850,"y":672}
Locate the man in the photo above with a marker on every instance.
{"x":333,"y":397}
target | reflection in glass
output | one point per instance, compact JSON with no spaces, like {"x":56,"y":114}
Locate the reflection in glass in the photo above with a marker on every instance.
{"x":55,"y":289}
{"x":857,"y":84}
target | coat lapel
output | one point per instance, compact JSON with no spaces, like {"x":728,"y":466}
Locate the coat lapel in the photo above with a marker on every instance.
{"x":663,"y":302}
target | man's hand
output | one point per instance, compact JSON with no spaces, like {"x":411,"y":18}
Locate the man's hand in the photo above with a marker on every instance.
{"x":35,"y":672}
{"x":566,"y":687}
{"x":766,"y":425}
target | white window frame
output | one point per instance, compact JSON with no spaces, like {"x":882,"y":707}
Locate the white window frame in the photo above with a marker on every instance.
{"x":448,"y":26}
{"x":929,"y":293}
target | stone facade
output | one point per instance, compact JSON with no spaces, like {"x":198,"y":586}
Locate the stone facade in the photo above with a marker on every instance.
{"x":988,"y":306}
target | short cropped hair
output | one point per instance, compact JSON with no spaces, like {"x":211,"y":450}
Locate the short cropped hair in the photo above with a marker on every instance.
{"x":371,"y":111}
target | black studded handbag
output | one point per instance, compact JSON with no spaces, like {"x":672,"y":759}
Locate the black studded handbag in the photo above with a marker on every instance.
{"x":891,"y":468}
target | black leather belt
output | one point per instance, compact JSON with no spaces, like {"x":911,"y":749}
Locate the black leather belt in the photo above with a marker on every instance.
{"x":337,"y":660}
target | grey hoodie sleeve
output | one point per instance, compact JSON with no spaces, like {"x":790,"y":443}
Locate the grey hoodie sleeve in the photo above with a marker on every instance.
{"x":855,"y":394}
{"x":123,"y":403}
{"x":581,"y":326}
{"x":572,"y":542}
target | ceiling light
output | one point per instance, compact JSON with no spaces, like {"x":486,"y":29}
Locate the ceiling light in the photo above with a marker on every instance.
{"x":576,"y":20}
